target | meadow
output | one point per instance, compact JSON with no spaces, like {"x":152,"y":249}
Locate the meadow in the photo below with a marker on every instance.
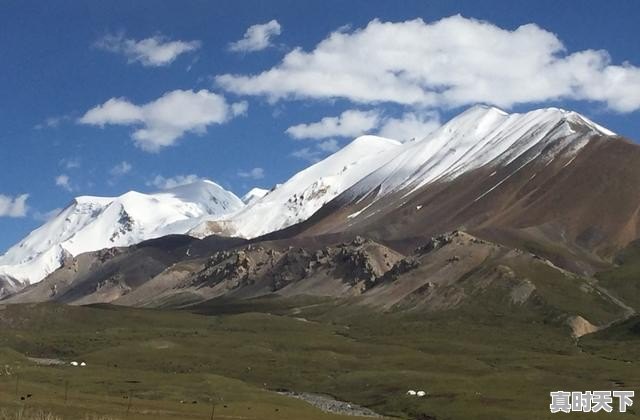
{"x":231,"y":359}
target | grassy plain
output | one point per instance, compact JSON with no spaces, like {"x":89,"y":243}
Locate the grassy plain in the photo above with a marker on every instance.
{"x":168,"y":364}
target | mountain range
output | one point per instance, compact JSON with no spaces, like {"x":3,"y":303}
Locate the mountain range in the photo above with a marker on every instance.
{"x":491,"y":209}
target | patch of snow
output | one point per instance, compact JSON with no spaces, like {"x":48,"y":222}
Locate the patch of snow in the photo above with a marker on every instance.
{"x":356,"y":214}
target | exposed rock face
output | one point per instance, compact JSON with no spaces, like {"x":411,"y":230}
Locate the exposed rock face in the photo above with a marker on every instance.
{"x":454,"y":271}
{"x":401,"y":267}
{"x":109,"y":274}
{"x":434,"y":243}
{"x":232,"y":267}
{"x":358,"y":265}
{"x":580,"y":326}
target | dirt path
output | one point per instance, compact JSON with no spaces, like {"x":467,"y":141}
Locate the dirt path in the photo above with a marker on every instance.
{"x":47,"y":362}
{"x":629,"y":311}
{"x":331,"y":405}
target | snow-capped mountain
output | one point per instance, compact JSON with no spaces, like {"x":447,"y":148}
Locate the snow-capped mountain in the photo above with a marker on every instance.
{"x":254,"y":194}
{"x":537,"y":176}
{"x":93,"y":223}
{"x":480,"y":136}
{"x":302,"y":195}
{"x":370,"y":166}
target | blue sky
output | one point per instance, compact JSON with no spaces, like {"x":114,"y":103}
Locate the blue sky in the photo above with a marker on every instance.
{"x":81,"y":108}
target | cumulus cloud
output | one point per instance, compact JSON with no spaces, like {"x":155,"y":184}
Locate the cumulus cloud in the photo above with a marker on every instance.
{"x":13,"y":206}
{"x":239,"y":108}
{"x":353,"y":123}
{"x":163,"y":121}
{"x":451,"y":62}
{"x":257,"y":37}
{"x":409,"y":126}
{"x":166,"y":183}
{"x":255,"y":173}
{"x":350,"y":123}
{"x":63,"y":181}
{"x":121,"y":168}
{"x":156,"y":51}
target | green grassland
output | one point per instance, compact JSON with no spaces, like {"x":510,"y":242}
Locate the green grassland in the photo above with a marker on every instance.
{"x":143,"y":363}
{"x":624,"y":279}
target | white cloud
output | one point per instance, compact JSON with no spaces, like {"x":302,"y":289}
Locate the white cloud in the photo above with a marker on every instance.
{"x":13,"y":206}
{"x":350,"y":123}
{"x":154,"y":52}
{"x":353,"y":123}
{"x":257,"y":37}
{"x":239,"y":108}
{"x":63,"y":181}
{"x":163,"y":121}
{"x":121,"y":168}
{"x":255,"y":173}
{"x":411,"y":125}
{"x":451,"y":62}
{"x":166,"y":183}
{"x":47,"y":215}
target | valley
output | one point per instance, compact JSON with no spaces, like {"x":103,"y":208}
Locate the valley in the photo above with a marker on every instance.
{"x":241,"y":354}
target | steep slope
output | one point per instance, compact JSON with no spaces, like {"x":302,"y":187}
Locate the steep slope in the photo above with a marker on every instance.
{"x":479,"y":137}
{"x":306,"y":192}
{"x":106,"y":275}
{"x":93,"y":223}
{"x":454,"y":272}
{"x":535,"y":180}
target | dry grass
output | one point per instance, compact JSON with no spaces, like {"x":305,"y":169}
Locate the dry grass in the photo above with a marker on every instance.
{"x":28,"y":414}
{"x":22,"y":414}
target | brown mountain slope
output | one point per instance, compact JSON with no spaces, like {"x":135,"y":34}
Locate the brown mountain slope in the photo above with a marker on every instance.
{"x":577,"y":210}
{"x":454,"y":272}
{"x":105,"y":275}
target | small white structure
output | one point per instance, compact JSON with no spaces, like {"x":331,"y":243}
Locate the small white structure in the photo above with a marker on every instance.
{"x":411,"y":392}
{"x":83,"y":364}
{"x":421,"y":393}
{"x":74,"y":363}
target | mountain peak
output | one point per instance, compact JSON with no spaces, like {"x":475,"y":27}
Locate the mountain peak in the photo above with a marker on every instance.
{"x":307,"y":191}
{"x":369,"y":139}
{"x":481,"y":135}
{"x":574,"y":117}
{"x":481,"y":109}
{"x":90,"y":223}
{"x":481,"y":115}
